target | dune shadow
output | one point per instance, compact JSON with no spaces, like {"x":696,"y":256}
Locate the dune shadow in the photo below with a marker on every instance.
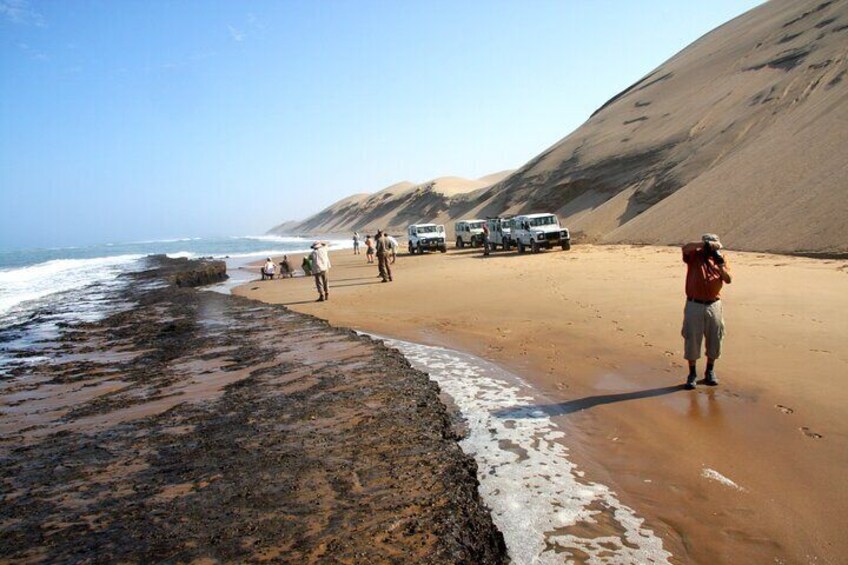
{"x":562,"y":408}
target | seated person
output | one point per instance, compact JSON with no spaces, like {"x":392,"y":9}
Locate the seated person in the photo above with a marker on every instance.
{"x":286,"y":268}
{"x":268,"y":269}
{"x":306,"y":266}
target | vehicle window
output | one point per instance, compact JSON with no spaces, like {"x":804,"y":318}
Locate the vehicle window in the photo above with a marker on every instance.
{"x":544,"y":221}
{"x":427,"y":229}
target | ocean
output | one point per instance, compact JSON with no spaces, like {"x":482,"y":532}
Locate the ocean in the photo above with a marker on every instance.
{"x":44,"y":290}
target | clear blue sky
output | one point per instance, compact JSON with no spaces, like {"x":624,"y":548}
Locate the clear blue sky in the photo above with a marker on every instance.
{"x":126,"y":120}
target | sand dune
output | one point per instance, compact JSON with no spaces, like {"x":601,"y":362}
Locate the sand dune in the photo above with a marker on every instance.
{"x":744,"y":132}
{"x":392,"y":207}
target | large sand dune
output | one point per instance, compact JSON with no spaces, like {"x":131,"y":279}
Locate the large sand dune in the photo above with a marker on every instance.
{"x":744,"y":132}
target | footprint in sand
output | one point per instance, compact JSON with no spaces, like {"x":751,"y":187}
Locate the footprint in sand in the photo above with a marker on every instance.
{"x":784,"y":409}
{"x":810,"y":433}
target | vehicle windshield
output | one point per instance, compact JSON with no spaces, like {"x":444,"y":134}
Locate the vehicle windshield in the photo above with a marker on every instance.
{"x":426,"y":229}
{"x":543,"y":221}
{"x":475,"y":225}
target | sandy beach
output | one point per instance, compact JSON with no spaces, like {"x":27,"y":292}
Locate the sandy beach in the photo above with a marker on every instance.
{"x":750,"y":471}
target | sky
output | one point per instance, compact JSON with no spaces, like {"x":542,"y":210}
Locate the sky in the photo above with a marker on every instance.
{"x":129,"y":120}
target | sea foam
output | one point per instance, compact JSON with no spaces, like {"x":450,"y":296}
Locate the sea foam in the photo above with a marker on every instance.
{"x":24,"y":284}
{"x":542,"y":503}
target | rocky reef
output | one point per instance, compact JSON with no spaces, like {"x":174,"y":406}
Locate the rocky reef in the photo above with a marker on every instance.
{"x":200,"y":426}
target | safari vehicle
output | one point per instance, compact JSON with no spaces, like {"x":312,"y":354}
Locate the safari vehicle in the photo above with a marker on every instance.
{"x":469,"y":232}
{"x":500,"y":232}
{"x":535,"y":231}
{"x":426,"y":237}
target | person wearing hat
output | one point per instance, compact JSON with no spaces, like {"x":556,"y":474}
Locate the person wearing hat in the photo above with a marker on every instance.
{"x":706,"y":273}
{"x":320,"y":268}
{"x":383,"y":253}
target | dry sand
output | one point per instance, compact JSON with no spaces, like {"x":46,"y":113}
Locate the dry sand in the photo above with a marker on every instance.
{"x":597,"y":331}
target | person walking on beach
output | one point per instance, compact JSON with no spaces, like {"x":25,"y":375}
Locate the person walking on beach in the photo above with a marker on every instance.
{"x":706,"y":273}
{"x":320,"y":268}
{"x":393,"y":246}
{"x":369,"y":249}
{"x":383,"y":254}
{"x":356,"y":243}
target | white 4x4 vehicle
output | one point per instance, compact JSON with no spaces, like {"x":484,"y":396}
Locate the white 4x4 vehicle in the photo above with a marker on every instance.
{"x":539,"y":230}
{"x":469,"y":232}
{"x":426,"y":237}
{"x":500,"y":232}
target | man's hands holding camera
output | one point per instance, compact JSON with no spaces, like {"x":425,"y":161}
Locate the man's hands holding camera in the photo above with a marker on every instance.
{"x":711,"y":248}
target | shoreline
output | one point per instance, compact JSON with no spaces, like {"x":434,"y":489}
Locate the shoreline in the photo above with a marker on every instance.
{"x":175,"y":430}
{"x":596,"y":330}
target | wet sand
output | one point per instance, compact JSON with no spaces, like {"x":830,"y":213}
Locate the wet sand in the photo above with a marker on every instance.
{"x":198,"y":427}
{"x":751,"y":471}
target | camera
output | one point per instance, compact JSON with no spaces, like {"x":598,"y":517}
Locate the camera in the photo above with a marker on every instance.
{"x":714,"y":253}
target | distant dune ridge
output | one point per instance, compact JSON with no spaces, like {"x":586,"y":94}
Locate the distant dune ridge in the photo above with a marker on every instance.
{"x":743,"y":133}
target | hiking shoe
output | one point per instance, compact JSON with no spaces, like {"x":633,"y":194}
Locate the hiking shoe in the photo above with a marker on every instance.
{"x":690,"y":382}
{"x":320,"y":299}
{"x":710,"y":379}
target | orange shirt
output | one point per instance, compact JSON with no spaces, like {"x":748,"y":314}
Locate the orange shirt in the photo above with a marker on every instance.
{"x":703,"y":279}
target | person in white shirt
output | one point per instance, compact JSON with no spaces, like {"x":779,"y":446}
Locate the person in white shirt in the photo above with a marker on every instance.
{"x":268,"y":269}
{"x":393,"y":246}
{"x":320,"y":267}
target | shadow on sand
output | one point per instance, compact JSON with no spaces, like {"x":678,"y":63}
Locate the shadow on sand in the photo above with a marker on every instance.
{"x":550,"y":410}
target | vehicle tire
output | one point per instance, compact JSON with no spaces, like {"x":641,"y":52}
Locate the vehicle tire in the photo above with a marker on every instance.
{"x":505,"y":243}
{"x":474,"y":242}
{"x":534,"y":247}
{"x":566,"y":245}
{"x":443,"y":249}
{"x":411,"y":249}
{"x":420,"y":249}
{"x":520,"y":246}
{"x":460,"y":243}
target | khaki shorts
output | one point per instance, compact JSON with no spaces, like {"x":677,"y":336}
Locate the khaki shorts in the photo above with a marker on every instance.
{"x":702,"y":321}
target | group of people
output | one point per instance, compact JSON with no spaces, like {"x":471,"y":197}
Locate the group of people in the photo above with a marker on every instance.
{"x":703,"y":319}
{"x":371,"y":245}
{"x":269,"y":269}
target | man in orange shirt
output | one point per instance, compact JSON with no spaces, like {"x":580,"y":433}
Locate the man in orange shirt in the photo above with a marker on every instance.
{"x":706,"y":273}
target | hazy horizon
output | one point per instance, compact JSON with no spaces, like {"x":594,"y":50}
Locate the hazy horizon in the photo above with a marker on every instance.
{"x":139,"y":121}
